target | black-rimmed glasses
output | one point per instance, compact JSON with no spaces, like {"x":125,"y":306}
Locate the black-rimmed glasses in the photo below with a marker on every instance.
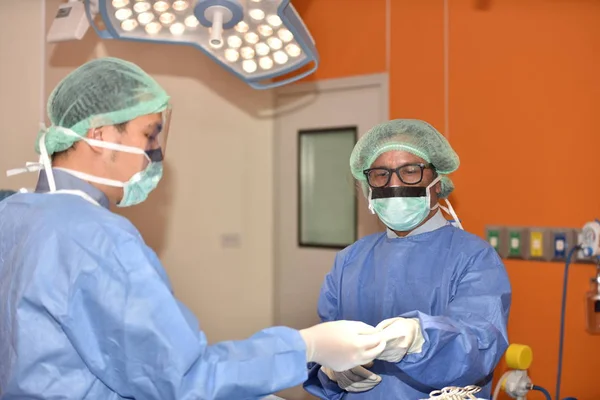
{"x":409,"y":174}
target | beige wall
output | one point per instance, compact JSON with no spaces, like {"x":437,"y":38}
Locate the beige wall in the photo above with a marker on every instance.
{"x":21,"y":70}
{"x":218,"y":170}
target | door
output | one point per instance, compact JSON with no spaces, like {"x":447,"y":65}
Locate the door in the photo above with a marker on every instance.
{"x":312,"y":127}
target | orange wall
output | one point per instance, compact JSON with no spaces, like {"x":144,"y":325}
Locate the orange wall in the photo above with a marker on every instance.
{"x":350,"y":37}
{"x":524,"y":85}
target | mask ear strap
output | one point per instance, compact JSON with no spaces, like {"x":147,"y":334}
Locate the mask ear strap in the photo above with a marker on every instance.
{"x":370,"y":201}
{"x":103,"y":144}
{"x":450,"y":210}
{"x":429,"y":187}
{"x":92,"y":178}
{"x":45,"y":161}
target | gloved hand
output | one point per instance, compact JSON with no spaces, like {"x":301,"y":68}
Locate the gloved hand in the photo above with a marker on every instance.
{"x":402,"y":336}
{"x":341,"y":345}
{"x":356,"y":380}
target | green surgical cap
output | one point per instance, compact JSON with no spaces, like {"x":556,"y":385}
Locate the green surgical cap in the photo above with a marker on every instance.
{"x":410,"y":135}
{"x":102,"y":92}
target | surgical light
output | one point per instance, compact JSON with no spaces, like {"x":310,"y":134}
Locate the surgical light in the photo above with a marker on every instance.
{"x":144,"y":18}
{"x":262,"y":49}
{"x":141,"y":7}
{"x":263,"y":42}
{"x":274,"y":43}
{"x":265,"y":30}
{"x":251,"y":37}
{"x":180,"y":5}
{"x":234,"y":41}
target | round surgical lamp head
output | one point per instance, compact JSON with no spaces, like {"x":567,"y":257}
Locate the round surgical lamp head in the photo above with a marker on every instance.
{"x":264,"y":43}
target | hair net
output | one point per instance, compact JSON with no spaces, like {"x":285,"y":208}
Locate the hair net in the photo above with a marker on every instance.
{"x":411,"y":135}
{"x":105,"y":91}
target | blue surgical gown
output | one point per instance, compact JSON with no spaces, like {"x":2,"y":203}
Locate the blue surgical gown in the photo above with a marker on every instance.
{"x":452,"y":281}
{"x":87,"y":312}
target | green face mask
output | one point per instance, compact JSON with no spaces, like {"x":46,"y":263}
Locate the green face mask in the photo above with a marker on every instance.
{"x":402,"y":208}
{"x":140,"y":185}
{"x":137,"y":189}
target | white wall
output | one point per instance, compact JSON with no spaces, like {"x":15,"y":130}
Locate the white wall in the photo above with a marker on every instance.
{"x":215,"y":126}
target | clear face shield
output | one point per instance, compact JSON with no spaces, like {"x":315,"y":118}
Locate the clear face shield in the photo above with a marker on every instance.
{"x":156,"y":133}
{"x":160,"y":140}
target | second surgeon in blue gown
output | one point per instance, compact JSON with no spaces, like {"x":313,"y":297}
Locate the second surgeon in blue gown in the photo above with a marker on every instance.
{"x":443,"y":290}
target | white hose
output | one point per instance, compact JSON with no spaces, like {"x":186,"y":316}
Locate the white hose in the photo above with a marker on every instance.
{"x":499,"y":384}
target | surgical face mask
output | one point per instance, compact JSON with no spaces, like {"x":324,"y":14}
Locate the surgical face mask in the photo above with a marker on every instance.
{"x":135,"y":190}
{"x":139,"y":186}
{"x":402,"y":208}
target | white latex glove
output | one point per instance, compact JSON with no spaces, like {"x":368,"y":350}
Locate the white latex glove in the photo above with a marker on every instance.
{"x":402,"y":336}
{"x":341,"y":345}
{"x":355,"y":380}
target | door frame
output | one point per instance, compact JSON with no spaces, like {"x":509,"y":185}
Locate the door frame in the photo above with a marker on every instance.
{"x":380,"y":80}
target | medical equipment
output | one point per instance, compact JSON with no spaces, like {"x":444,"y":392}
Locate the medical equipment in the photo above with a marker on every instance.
{"x":593,"y":305}
{"x":516,"y":383}
{"x":589,"y":246}
{"x":263,"y":42}
{"x":70,"y":22}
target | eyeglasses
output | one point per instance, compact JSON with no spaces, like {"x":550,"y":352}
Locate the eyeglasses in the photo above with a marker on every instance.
{"x":409,"y":174}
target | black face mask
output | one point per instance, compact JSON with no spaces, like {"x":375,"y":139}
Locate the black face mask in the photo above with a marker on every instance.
{"x":398,"y":191}
{"x":155,"y":155}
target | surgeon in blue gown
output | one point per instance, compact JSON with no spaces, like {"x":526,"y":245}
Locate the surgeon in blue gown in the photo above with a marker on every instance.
{"x":86,"y":308}
{"x":440,"y":293}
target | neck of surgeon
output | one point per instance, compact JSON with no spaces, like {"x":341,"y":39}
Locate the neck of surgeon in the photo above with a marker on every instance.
{"x":81,"y":161}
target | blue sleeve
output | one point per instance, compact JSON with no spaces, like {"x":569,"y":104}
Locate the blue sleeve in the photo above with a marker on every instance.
{"x":328,"y":305}
{"x":318,"y":384}
{"x":463,"y":346}
{"x":141,"y":342}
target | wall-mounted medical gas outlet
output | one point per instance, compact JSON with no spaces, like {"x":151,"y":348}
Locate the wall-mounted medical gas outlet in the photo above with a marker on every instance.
{"x":516,"y":242}
{"x":496,"y":236}
{"x":561,"y":241}
{"x":579,"y":257}
{"x":537,"y":244}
